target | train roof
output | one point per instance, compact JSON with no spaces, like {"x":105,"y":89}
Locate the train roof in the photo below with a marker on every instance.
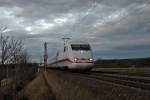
{"x":78,"y":42}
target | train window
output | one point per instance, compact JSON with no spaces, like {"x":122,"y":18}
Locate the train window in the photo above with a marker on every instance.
{"x":80,"y":47}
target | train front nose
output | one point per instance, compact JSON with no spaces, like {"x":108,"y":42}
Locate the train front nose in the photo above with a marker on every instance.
{"x":82,"y":64}
{"x":82,"y":56}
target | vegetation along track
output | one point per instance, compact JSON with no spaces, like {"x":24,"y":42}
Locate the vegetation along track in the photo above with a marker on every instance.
{"x":126,"y":80}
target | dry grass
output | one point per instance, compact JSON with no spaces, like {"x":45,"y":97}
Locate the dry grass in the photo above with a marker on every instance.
{"x":38,"y":90}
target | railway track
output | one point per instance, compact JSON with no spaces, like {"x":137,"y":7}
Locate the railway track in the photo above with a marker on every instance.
{"x":138,"y":82}
{"x":126,"y":80}
{"x":124,"y":76}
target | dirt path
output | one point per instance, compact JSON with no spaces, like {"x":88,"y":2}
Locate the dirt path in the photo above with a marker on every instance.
{"x":38,"y":90}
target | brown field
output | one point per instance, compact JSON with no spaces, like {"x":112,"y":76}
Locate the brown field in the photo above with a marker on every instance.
{"x":134,"y":66}
{"x":123,"y":63}
{"x":145,"y":71}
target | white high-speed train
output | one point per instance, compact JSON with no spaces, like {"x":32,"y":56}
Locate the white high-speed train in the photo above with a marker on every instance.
{"x":74,"y":55}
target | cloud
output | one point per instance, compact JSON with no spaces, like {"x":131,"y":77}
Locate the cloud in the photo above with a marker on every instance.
{"x":109,"y":25}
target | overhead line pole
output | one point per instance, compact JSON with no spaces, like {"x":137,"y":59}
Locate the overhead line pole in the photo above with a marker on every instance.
{"x":45,"y":56}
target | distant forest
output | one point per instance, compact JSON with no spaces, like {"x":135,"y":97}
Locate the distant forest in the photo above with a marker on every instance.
{"x":134,"y":62}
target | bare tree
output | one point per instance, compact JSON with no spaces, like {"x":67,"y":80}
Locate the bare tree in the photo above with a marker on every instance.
{"x":25,"y":57}
{"x":15,"y":50}
{"x":5,"y":46}
{"x":12,"y":50}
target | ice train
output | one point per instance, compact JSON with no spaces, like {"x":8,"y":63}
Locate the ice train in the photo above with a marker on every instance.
{"x":73,"y":55}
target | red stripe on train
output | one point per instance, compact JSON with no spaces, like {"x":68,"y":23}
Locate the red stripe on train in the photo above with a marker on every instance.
{"x":68,"y":60}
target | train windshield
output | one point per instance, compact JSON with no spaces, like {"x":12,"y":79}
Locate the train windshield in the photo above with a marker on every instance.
{"x":80,"y":47}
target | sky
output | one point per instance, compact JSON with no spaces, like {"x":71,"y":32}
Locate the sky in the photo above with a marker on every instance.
{"x":114,"y":28}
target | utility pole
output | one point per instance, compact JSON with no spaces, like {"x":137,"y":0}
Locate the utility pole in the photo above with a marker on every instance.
{"x":40,"y":60}
{"x":45,"y":56}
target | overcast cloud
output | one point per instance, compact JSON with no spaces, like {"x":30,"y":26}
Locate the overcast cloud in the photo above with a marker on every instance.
{"x":114,"y":28}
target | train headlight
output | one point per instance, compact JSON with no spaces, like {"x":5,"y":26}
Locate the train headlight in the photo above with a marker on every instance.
{"x":75,"y":59}
{"x":91,"y":59}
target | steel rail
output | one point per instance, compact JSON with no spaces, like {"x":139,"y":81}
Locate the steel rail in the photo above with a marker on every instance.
{"x":130,"y":81}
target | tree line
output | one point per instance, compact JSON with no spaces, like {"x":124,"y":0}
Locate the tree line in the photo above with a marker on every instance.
{"x":12,"y":50}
